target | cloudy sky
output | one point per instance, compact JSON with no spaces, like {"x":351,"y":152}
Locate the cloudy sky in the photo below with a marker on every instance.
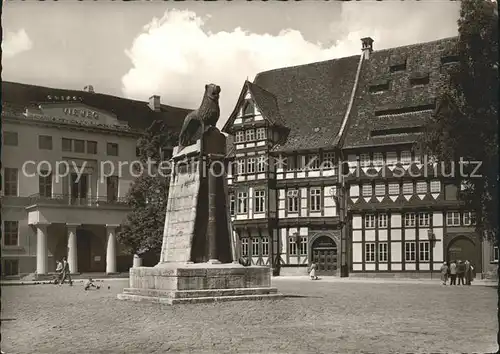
{"x":137,"y":49}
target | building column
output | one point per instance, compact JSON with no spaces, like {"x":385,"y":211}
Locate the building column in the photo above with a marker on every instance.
{"x":72,"y":250}
{"x":41,"y":248}
{"x":111,"y":248}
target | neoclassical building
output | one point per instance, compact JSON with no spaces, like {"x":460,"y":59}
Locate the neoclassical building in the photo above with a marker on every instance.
{"x":66,"y":158}
{"x":325,"y":168}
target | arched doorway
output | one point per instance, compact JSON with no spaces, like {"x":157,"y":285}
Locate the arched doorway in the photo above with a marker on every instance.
{"x":462,"y":248}
{"x":324,"y":255}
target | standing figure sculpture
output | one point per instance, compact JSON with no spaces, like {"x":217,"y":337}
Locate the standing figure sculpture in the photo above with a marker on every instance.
{"x":206,"y":115}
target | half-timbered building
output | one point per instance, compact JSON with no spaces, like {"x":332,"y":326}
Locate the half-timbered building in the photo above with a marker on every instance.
{"x":325,"y":168}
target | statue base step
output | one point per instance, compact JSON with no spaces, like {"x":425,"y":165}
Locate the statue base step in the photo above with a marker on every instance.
{"x":173,"y":283}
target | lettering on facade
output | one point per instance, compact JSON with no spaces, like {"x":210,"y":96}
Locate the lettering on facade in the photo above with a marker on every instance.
{"x":81,"y":112}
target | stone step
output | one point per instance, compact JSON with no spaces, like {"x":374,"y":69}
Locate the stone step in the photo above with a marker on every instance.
{"x":181,"y":294}
{"x":194,"y":300}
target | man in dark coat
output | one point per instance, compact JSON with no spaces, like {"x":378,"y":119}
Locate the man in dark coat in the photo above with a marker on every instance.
{"x":461,"y":273}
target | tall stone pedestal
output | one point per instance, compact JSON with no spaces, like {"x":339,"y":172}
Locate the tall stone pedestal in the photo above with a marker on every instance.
{"x":199,"y":255}
{"x":199,"y":282}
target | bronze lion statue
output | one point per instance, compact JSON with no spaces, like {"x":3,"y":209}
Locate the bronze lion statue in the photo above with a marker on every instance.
{"x":205,"y":116}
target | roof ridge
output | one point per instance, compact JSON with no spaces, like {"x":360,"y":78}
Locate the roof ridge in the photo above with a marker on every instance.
{"x":415,"y":44}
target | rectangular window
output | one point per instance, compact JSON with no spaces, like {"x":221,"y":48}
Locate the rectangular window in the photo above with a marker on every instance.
{"x":382,"y":252}
{"x":424,"y":251}
{"x":45,"y":142}
{"x":10,"y":179}
{"x":261,"y":163}
{"x":232,"y":203}
{"x":239,"y":137}
{"x":410,"y":220}
{"x":112,"y":149}
{"x":244,"y":246}
{"x":380,"y":189}
{"x":424,"y":219}
{"x":45,"y":184}
{"x":11,"y":233}
{"x":293,"y":200}
{"x":10,"y":138}
{"x":495,"y":255}
{"x":265,"y":246}
{"x":405,"y":157}
{"x":469,"y":218}
{"x":303,"y":246}
{"x":260,"y":201}
{"x":410,"y":251}
{"x":369,"y":221}
{"x":392,"y":158}
{"x":393,"y":188}
{"x":315,"y":199}
{"x":369,"y":252}
{"x":10,"y":267}
{"x":313,"y":162}
{"x":367,"y":190}
{"x":92,"y":148}
{"x":382,"y":221}
{"x":242,"y":202}
{"x":421,"y":187}
{"x":250,"y":135}
{"x":255,"y":247}
{"x":364,"y":160}
{"x":290,"y":163}
{"x":79,"y":146}
{"x":407,"y":188}
{"x":112,"y":188}
{"x":328,"y":161}
{"x":435,"y":186}
{"x":261,"y":133}
{"x":378,"y":159}
{"x":241,"y":167}
{"x":292,"y":246}
{"x":251,"y":165}
{"x":66,"y":144}
{"x":453,"y":218}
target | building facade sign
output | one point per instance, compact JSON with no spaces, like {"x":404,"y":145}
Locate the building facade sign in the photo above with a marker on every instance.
{"x":81,"y":112}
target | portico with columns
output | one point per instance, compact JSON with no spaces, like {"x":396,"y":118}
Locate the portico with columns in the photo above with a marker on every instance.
{"x":88,"y":248}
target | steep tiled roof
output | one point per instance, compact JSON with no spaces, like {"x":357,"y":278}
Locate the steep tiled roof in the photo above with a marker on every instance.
{"x":312,"y":100}
{"x":403,"y":101}
{"x":267,"y":103}
{"x":17,"y":96}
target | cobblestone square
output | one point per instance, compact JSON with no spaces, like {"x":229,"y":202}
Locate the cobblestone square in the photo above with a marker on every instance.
{"x":325,"y":316}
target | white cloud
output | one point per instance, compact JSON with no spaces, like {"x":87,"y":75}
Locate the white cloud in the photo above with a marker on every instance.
{"x":175,"y":57}
{"x":15,"y":43}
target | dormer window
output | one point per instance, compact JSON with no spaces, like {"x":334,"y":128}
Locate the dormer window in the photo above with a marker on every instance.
{"x":449,"y":59}
{"x":419,"y":79}
{"x":398,"y":67}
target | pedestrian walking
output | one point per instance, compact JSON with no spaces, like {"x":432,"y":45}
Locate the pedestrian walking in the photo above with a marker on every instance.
{"x":66,"y":273}
{"x":461,"y":273}
{"x":444,"y":273}
{"x":453,"y":273}
{"x":312,"y":272}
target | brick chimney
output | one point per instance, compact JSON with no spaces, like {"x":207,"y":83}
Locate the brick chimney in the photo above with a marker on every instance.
{"x":154,"y":103}
{"x":366,"y":47}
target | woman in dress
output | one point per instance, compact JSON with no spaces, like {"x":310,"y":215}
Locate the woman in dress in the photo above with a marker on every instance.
{"x":312,"y":273}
